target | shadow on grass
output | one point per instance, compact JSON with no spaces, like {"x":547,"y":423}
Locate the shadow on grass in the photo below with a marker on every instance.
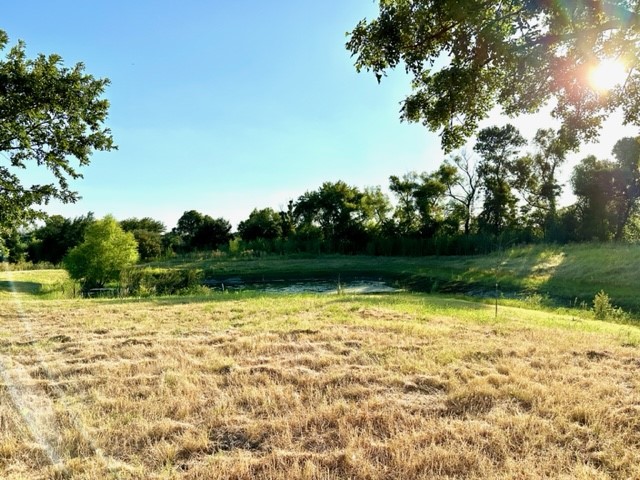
{"x":31,"y":288}
{"x":587,"y":269}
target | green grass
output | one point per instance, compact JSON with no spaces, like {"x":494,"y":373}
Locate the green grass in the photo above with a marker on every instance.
{"x":557,"y":276}
{"x":26,"y":284}
{"x":568,"y":275}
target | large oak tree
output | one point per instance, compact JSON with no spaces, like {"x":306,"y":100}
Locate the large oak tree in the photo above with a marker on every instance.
{"x":51,"y":116}
{"x":467,"y":56}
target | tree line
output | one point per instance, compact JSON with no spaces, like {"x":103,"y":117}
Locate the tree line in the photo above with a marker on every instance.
{"x":519,"y":55}
{"x":505,"y":190}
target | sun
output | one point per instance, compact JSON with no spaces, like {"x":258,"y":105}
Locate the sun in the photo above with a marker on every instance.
{"x":608,"y":74}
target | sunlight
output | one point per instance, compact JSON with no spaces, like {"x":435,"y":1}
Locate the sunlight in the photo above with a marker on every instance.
{"x":608,"y":74}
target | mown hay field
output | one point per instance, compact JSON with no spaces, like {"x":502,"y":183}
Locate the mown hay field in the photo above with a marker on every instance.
{"x":241,"y":386}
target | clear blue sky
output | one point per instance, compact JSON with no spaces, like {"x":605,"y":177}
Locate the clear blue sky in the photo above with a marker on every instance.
{"x":226,"y":106}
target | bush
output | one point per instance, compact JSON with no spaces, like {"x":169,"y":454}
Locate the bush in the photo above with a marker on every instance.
{"x":145,"y":282}
{"x":604,"y":310}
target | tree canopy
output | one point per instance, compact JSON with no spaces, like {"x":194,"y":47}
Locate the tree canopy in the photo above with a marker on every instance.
{"x":105,"y":251}
{"x":195,"y":231}
{"x":467,"y":56}
{"x":264,"y":223}
{"x":148,"y":233}
{"x":57,"y":236}
{"x":49,"y":115}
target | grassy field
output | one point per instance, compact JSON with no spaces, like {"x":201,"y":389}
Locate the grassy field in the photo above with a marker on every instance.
{"x":568,"y":275}
{"x":251,"y":385}
{"x":34,"y":284}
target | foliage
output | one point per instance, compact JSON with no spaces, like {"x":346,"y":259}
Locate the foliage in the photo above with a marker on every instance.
{"x":188,"y":225}
{"x":146,"y":282}
{"x":51,"y":242}
{"x":603,"y":309}
{"x":49,"y":115}
{"x":13,"y":247}
{"x":498,"y":147}
{"x":148,"y":233}
{"x":265,"y":224}
{"x":149,"y":244}
{"x":608,"y":192}
{"x":374,"y":209}
{"x":147,"y":223}
{"x":593,"y":183}
{"x":196,"y":231}
{"x":627,"y":154}
{"x":335,"y":208}
{"x":106,"y":250}
{"x":536,"y":181}
{"x":463,"y":186}
{"x":212,"y":234}
{"x":466,"y":56}
{"x":435,"y":213}
{"x":405,"y":214}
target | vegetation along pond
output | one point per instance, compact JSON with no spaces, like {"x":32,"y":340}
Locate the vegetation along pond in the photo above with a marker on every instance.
{"x":352,"y":286}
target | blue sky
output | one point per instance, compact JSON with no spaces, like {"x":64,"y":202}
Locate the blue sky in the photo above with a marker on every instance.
{"x":226,"y":106}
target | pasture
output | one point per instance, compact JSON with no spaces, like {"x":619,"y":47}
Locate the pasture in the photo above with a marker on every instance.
{"x":252,"y":385}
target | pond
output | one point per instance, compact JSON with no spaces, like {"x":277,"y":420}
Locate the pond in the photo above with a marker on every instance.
{"x":306,"y":286}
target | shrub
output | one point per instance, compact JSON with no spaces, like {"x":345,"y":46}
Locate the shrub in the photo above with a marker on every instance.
{"x":147,"y":281}
{"x":106,"y":250}
{"x":604,"y":310}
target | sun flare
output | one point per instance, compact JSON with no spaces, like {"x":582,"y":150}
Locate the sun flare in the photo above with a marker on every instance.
{"x":608,"y":74}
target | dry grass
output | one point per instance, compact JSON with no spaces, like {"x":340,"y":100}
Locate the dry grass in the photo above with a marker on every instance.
{"x":315,"y":387}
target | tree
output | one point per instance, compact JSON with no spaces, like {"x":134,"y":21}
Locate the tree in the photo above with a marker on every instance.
{"x":147,"y":223}
{"x":288,"y":220}
{"x":198,"y":231}
{"x":608,"y":191}
{"x":421,"y":210}
{"x":466,"y":56}
{"x":187,"y":227}
{"x":49,"y":115}
{"x":212,"y":233}
{"x":374,"y":209}
{"x":106,"y":250}
{"x":57,"y":236}
{"x":406,"y":213}
{"x":463,"y":184}
{"x":148,"y":233}
{"x":15,"y":247}
{"x":335,"y":208}
{"x":596,"y":183}
{"x":265,"y":223}
{"x":627,"y":153}
{"x":536,"y":179}
{"x":497,"y":147}
{"x":429,"y":196}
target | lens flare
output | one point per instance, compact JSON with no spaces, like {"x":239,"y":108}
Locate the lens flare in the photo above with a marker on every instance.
{"x":606,"y":75}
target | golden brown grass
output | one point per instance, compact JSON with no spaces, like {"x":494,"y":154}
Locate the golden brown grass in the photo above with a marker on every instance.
{"x":316,"y":387}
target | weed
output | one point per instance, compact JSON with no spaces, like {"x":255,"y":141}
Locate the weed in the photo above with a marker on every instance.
{"x":604,"y":310}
